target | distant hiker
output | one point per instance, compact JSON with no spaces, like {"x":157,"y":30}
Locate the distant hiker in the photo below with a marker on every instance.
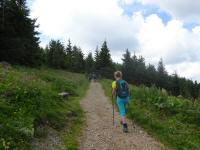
{"x":120,"y":90}
{"x":94,"y":77}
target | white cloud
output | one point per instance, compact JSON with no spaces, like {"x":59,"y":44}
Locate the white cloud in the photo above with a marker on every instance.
{"x":89,"y":22}
{"x":178,"y":47}
{"x":189,"y":70}
{"x":129,"y":2}
{"x":86,"y":22}
{"x":185,"y":10}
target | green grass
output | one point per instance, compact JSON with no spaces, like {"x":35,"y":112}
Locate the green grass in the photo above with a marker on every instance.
{"x":175,"y":122}
{"x":70,"y":136}
{"x":29,"y":99}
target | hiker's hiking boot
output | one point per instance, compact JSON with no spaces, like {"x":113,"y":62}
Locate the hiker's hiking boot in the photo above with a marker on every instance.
{"x":125,"y":128}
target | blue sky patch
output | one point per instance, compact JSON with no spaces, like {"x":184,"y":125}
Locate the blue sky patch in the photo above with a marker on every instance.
{"x":164,"y":16}
{"x":190,"y":25}
{"x":146,"y":10}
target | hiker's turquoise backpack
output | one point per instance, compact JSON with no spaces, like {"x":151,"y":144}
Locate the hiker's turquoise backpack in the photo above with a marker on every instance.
{"x":122,"y":89}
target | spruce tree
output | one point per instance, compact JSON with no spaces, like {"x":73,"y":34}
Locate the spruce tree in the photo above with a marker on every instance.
{"x":89,"y":63}
{"x":141,"y":70}
{"x":175,"y":84}
{"x":97,"y":59}
{"x":151,"y":75}
{"x":56,"y":54}
{"x":106,"y":67}
{"x":161,"y":68}
{"x":19,"y":40}
{"x":104,"y":56}
{"x":77,"y":60}
{"x":127,"y":66}
{"x":162,"y":75}
{"x":69,"y":55}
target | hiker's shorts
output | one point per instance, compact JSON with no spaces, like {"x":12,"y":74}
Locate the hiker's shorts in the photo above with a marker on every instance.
{"x":121,"y":102}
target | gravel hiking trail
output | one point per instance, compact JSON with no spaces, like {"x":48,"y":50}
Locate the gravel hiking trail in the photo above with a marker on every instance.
{"x":100,"y":134}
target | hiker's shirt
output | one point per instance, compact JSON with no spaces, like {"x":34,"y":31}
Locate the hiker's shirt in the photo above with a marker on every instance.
{"x":114,"y":85}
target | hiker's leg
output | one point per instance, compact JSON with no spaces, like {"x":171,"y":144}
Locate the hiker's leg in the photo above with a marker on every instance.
{"x":121,"y":104}
{"x":123,"y":115}
{"x":122,"y":111}
{"x":125,"y":102}
{"x":123,"y":118}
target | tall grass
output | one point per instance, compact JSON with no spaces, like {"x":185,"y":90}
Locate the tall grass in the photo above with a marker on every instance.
{"x":174,"y":121}
{"x":29,"y":99}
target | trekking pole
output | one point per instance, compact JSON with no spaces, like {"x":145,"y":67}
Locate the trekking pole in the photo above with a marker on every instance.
{"x":113,"y":110}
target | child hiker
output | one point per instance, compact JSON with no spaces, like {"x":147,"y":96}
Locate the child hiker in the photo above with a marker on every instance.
{"x":120,"y":90}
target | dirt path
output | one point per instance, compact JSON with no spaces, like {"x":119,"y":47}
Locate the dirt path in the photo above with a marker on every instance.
{"x":100,"y":134}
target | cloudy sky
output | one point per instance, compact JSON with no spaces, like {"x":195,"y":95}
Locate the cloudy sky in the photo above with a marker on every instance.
{"x":152,"y":28}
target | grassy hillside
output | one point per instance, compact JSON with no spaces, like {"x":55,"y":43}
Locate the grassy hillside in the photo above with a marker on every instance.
{"x":175,"y":122}
{"x":29,"y":99}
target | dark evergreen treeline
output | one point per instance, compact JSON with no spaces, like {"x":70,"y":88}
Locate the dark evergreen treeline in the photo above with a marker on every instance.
{"x":137,"y":72}
{"x":19,"y":44}
{"x":133,"y":67}
{"x":61,"y":57}
{"x":71,"y":58}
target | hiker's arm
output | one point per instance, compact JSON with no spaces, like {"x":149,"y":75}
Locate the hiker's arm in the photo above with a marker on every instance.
{"x":113,"y":93}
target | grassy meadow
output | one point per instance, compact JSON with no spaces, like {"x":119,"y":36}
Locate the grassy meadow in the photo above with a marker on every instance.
{"x":29,"y":99}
